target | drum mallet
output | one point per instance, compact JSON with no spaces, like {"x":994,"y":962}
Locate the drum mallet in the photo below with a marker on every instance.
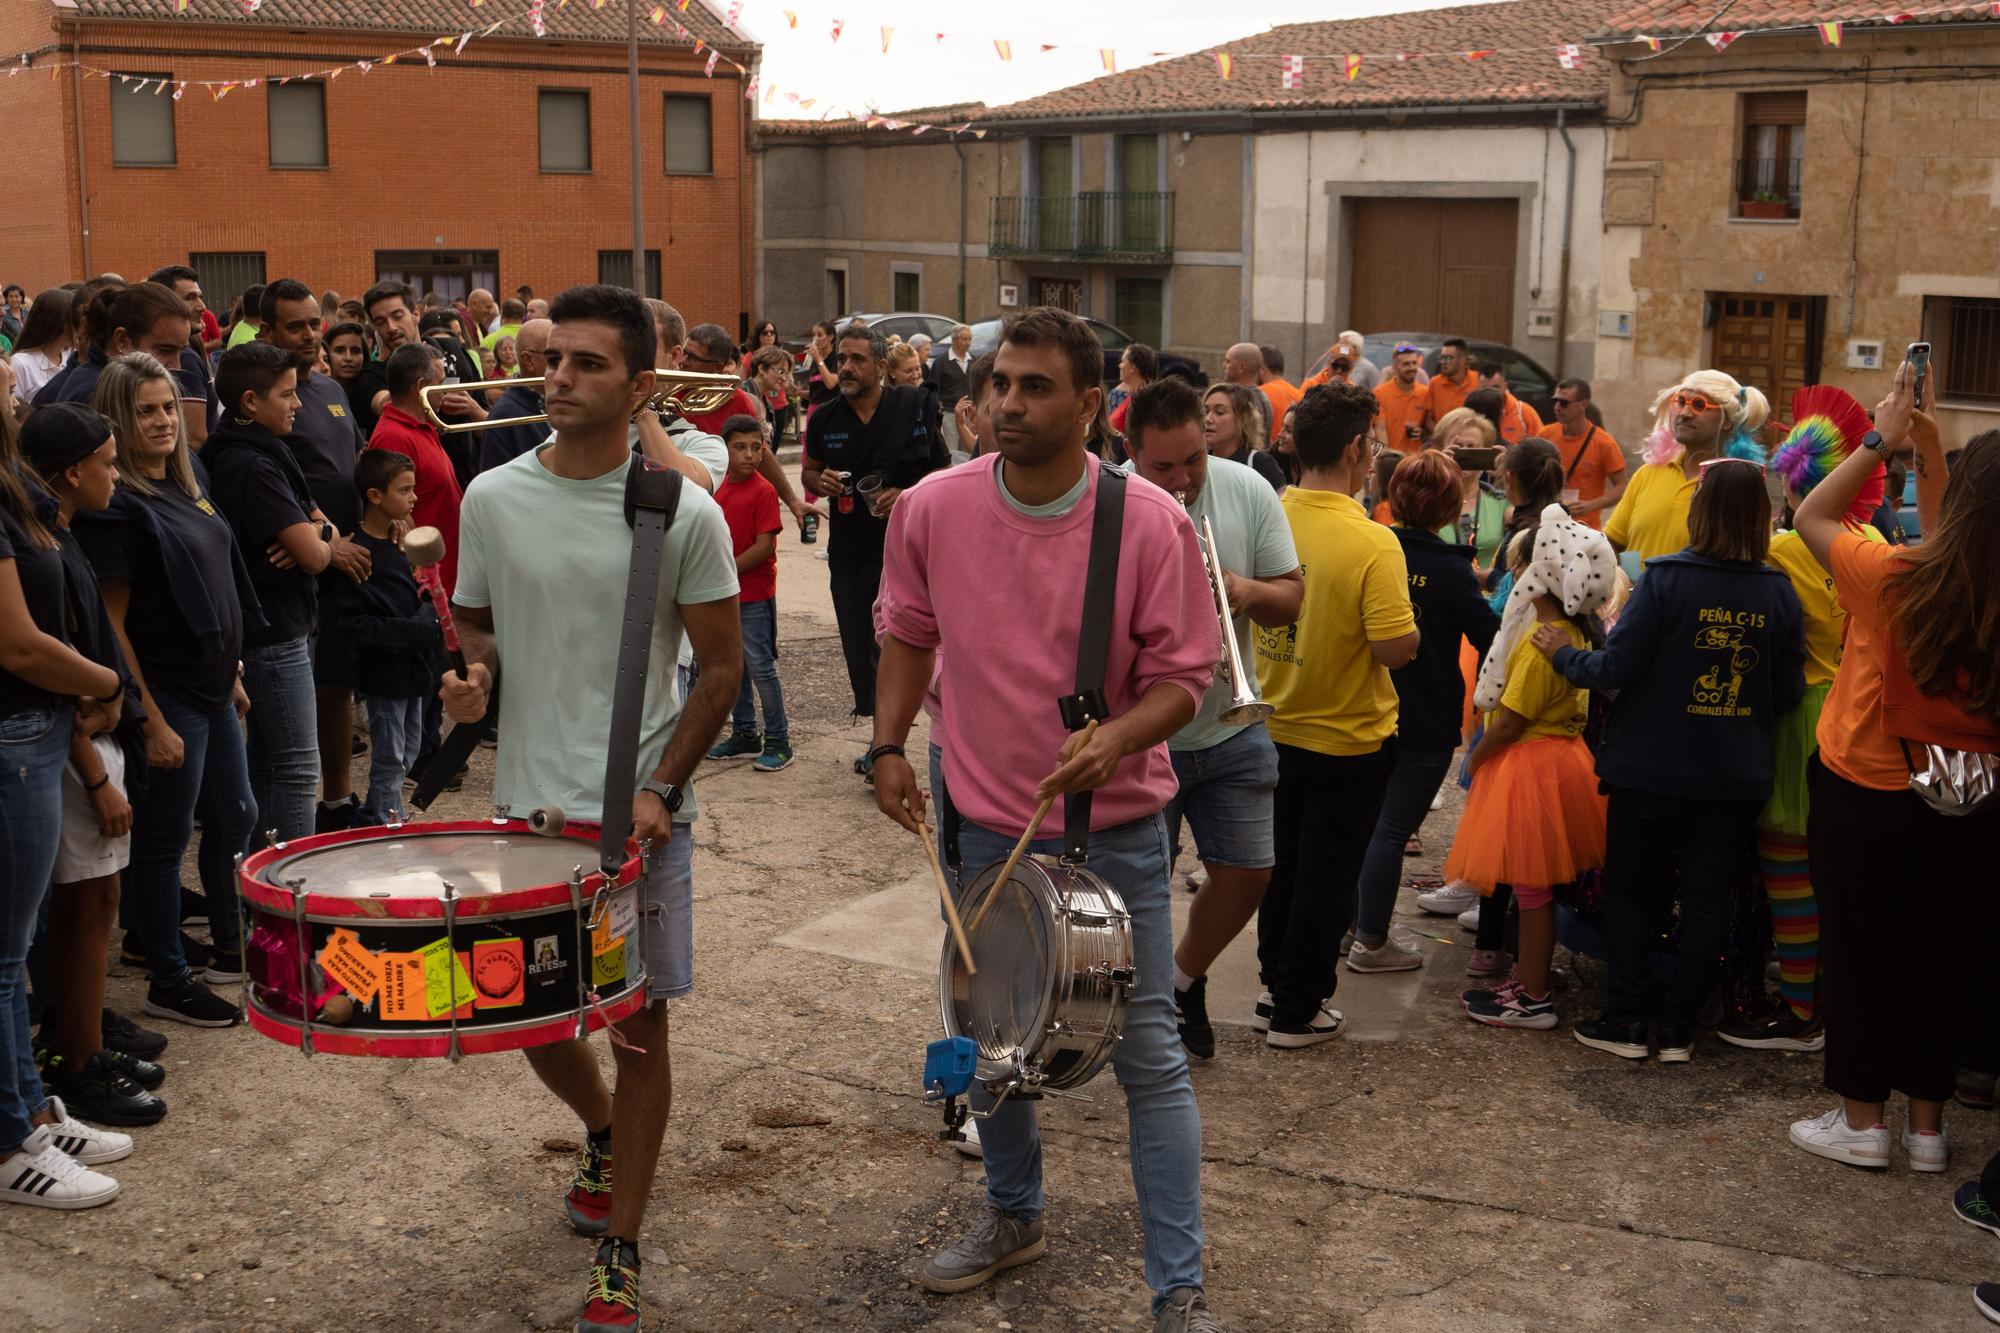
{"x":1021,"y":847}
{"x":944,"y":896}
{"x":424,"y":547}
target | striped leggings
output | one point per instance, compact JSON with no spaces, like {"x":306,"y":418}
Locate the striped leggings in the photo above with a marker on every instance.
{"x":1794,"y":916}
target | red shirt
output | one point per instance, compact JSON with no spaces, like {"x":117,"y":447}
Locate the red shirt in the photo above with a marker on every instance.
{"x":751,"y":509}
{"x":712,"y":422}
{"x":437,"y":484}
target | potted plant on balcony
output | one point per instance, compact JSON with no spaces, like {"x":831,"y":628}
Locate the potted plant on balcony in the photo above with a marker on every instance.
{"x":1764,"y":204}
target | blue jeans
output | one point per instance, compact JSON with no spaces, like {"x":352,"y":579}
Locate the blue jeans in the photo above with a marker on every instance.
{"x":284,"y":735}
{"x":760,"y":670}
{"x":1164,"y":1124}
{"x":1225,"y":796}
{"x":1412,"y":785}
{"x":34,"y":746}
{"x":395,"y":734}
{"x":214,"y":782}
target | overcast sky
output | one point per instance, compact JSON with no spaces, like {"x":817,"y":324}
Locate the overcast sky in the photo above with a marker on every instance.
{"x":919,"y":70}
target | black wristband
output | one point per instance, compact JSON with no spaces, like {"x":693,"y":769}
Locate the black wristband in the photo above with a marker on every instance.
{"x":881,"y":750}
{"x":110,"y":698}
{"x":89,"y":787}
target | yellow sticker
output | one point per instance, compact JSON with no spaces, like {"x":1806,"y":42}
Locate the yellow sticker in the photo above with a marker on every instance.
{"x":609,"y":966}
{"x":443,"y":970}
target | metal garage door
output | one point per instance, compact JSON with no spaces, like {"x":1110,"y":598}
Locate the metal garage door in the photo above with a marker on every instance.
{"x":1438,"y":265}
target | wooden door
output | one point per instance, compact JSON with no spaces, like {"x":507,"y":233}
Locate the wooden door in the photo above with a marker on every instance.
{"x":1062,"y":293}
{"x":1434,"y":265}
{"x":1762,"y":340}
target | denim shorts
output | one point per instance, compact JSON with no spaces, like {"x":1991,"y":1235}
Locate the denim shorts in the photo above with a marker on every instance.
{"x":1225,"y":797}
{"x":666,"y":896}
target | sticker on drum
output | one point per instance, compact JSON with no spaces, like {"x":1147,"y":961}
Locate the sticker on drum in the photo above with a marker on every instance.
{"x":442,"y":939}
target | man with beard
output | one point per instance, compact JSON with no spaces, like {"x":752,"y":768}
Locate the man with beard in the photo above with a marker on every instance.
{"x":325,"y":441}
{"x":863,"y":449}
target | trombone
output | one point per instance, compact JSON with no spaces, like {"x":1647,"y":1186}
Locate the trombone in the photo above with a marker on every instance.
{"x":1244,"y":705}
{"x":684,"y":391}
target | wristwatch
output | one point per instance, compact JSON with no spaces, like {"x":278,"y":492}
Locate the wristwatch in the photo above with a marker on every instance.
{"x":670,"y":796}
{"x":1873,"y":440}
{"x":327,"y":532}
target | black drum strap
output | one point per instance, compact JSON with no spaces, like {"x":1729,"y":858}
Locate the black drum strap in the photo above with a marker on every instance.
{"x":1093,"y":644}
{"x":652,"y":494}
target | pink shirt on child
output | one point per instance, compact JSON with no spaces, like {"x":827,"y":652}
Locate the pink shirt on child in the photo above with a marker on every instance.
{"x":1002,"y":594}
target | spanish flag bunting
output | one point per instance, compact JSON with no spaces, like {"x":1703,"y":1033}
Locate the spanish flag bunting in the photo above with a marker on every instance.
{"x":659,"y":15}
{"x":1005,"y":50}
{"x":1652,"y":43}
{"x":1829,"y":33}
{"x":1222,"y":63}
{"x":791,"y":19}
{"x":1352,"y":64}
{"x":180,"y":6}
{"x":1110,"y":59}
{"x":684,"y":6}
{"x":886,"y":31}
{"x":1477,"y":55}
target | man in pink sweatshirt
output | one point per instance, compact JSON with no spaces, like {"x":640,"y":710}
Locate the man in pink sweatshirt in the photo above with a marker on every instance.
{"x":985,"y":565}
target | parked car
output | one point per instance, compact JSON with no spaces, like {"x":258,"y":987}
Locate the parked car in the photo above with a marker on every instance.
{"x":1525,"y":377}
{"x":903,"y":323}
{"x":986,"y":336}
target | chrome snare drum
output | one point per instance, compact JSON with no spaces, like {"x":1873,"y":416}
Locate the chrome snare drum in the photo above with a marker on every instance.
{"x":439,"y":939}
{"x":1054,"y":953}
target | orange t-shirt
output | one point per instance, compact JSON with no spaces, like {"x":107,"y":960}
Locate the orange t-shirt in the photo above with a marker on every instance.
{"x":1518,"y":421}
{"x":1402,"y":409}
{"x":1281,"y":395}
{"x":1447,"y":395}
{"x":1852,"y":741}
{"x":1591,"y":474}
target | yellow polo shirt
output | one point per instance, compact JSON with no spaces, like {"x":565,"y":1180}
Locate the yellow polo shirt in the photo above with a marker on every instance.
{"x":1330,"y":694}
{"x":1651,"y":518}
{"x":1826,"y":622}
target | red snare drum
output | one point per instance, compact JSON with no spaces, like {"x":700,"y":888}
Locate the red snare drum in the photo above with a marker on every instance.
{"x":439,"y":939}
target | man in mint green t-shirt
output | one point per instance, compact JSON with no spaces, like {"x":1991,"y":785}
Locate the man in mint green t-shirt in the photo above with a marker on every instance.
{"x":1227,"y":772}
{"x":542,"y":569}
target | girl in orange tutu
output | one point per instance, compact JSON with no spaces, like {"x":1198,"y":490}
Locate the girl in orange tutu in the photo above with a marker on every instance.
{"x":1534,"y":819}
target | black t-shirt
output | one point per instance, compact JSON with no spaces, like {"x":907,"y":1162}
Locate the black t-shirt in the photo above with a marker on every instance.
{"x":41,"y":572}
{"x":196,"y":382}
{"x":895,"y":444}
{"x":261,"y":491}
{"x":325,"y":442}
{"x":361,"y":391}
{"x":169,"y":655}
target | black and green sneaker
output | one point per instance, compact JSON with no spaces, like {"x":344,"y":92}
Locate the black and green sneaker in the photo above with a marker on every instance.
{"x":1971,"y":1207}
{"x":612,"y":1303}
{"x":737,"y":745}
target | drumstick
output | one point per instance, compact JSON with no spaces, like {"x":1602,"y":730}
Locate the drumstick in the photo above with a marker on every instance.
{"x":1014,"y":858}
{"x":944,"y":896}
{"x":424,"y":548}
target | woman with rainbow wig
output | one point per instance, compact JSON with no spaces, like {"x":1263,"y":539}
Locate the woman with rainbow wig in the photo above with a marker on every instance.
{"x":1706,"y":416}
{"x":1829,"y":426}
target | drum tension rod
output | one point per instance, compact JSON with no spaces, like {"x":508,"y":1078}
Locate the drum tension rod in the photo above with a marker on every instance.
{"x":297,"y":886}
{"x":582,"y":960}
{"x":451,"y":962}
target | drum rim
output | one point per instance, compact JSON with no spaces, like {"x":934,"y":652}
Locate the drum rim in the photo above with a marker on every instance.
{"x":277,"y":898}
{"x":415,"y":1043}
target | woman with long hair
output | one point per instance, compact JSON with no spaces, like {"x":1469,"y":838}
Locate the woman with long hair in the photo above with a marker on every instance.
{"x":1707,"y":415}
{"x":1423,"y":497}
{"x":42,"y":681}
{"x":44,"y":342}
{"x":1706,"y":657}
{"x":816,"y":366}
{"x":764,"y":334}
{"x":1233,"y":425}
{"x":178,"y":596}
{"x":1903,"y":864}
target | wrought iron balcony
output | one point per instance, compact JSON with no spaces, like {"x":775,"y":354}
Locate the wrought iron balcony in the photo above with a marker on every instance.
{"x":1132,"y":227}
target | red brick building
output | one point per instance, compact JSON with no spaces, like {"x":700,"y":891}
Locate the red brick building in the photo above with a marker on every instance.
{"x":507,"y":164}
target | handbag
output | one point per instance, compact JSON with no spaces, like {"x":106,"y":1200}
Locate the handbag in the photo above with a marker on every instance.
{"x":1954,"y":782}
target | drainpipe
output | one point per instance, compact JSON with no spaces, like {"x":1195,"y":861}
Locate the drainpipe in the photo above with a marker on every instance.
{"x":82,"y":148}
{"x":1569,"y":222}
{"x":958,"y":150}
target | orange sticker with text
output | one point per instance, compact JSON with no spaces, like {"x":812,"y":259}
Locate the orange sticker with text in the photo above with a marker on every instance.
{"x":403,"y":999}
{"x":348,"y":962}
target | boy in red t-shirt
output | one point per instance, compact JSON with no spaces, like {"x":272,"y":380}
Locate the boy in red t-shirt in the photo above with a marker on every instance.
{"x":750,"y":504}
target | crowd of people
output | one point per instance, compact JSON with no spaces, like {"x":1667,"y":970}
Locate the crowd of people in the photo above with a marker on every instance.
{"x":1706,"y":715}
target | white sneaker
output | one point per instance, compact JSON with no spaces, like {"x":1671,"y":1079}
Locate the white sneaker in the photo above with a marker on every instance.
{"x":1450,"y":900}
{"x":1468,"y":920}
{"x":1928,"y":1150}
{"x":1325,"y":1025}
{"x":44,"y":1176}
{"x":1260,"y":1017}
{"x":1829,"y":1136}
{"x":1391,"y":957}
{"x":970,"y":1146}
{"x":1437,"y":801}
{"x":93,"y":1146}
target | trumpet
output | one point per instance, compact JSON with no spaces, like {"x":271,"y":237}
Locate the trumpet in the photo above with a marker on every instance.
{"x":684,"y":391}
{"x":1244,"y":705}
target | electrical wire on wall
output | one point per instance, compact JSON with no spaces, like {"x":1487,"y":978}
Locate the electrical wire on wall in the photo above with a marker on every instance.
{"x":1854,"y":213}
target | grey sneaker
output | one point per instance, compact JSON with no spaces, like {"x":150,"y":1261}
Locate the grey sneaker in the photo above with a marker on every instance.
{"x":998,"y":1240}
{"x":1186,"y":1311}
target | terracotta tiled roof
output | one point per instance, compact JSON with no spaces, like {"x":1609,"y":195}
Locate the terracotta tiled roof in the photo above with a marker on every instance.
{"x":576,"y":21}
{"x":1671,"y":18}
{"x":1523,"y":34}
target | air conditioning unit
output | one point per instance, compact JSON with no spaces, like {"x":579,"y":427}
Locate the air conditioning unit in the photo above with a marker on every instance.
{"x":1864,"y":354}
